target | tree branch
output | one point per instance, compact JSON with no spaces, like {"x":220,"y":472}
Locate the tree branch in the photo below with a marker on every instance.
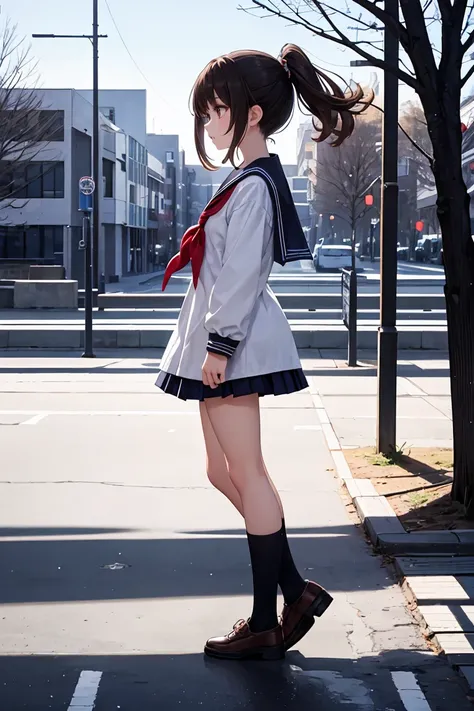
{"x":467,"y":77}
{"x":390,"y":22}
{"x":342,"y":41}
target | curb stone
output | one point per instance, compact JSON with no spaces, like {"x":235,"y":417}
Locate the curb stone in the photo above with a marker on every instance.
{"x":389,"y":537}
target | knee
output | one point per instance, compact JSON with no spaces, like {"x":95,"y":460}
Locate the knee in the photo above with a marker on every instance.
{"x":241,"y":472}
{"x":217,"y":475}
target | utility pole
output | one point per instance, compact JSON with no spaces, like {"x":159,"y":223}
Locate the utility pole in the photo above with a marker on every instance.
{"x":95,"y":147}
{"x":387,"y":335}
{"x":94,"y":38}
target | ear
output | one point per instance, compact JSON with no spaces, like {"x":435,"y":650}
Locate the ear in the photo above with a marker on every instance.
{"x":255,"y":115}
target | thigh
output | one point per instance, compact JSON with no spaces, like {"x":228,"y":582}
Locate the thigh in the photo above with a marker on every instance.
{"x":215,"y":455}
{"x":236,"y":424}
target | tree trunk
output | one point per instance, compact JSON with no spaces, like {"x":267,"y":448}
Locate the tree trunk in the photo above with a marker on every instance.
{"x":458,"y":250}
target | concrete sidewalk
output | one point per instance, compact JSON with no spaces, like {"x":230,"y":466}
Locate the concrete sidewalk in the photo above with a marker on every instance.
{"x":435,"y":567}
{"x":349,"y":398}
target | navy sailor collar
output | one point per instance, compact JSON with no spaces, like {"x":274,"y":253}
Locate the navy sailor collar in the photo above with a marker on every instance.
{"x":290,"y":244}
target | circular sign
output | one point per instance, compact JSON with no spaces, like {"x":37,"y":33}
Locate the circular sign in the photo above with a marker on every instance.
{"x":86,"y":185}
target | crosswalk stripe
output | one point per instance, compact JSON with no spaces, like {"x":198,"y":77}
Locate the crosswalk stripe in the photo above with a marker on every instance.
{"x":86,"y":691}
{"x":409,"y":691}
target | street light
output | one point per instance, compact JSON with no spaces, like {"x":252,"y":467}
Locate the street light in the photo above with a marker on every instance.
{"x":387,"y":334}
{"x":94,"y":38}
{"x":91,"y":264}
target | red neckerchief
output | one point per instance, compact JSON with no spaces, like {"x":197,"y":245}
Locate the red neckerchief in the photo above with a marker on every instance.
{"x":194,"y":241}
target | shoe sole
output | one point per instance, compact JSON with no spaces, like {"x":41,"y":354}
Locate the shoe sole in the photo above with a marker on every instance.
{"x":317,"y":609}
{"x":268,"y":654}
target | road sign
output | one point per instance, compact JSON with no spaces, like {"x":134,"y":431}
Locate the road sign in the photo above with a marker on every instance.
{"x":86,"y":185}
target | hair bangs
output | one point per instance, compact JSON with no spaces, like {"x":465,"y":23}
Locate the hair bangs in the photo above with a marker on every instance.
{"x":220,"y":80}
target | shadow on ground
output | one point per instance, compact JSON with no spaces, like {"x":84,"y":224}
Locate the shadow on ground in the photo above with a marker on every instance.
{"x":192,"y":681}
{"x":201,"y":564}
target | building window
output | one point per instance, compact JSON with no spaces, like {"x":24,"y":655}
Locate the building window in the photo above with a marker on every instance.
{"x":44,"y":125}
{"x":169,"y":157}
{"x":38,"y":180}
{"x":132,"y":194}
{"x":108,"y":177}
{"x":32,"y":242}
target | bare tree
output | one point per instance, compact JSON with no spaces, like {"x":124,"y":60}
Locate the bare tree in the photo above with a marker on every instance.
{"x":413,"y":123}
{"x":346,"y":174}
{"x":436,"y":38}
{"x":25,"y":126}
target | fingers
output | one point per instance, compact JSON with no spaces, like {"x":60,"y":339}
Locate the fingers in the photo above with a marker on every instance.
{"x":212,"y":378}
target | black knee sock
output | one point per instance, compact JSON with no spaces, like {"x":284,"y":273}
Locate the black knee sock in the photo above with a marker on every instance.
{"x":290,"y":581}
{"x":265,"y":555}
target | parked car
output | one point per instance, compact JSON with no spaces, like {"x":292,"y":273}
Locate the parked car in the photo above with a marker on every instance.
{"x":333,"y":256}
{"x":402,"y":254}
{"x":428,"y":249}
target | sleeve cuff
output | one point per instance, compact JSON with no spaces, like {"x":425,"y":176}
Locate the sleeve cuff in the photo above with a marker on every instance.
{"x":221,"y":345}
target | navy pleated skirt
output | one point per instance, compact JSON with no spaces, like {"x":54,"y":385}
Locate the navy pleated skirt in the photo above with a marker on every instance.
{"x":281,"y":383}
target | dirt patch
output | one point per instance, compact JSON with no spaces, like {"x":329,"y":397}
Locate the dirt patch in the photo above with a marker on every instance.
{"x":416,"y":482}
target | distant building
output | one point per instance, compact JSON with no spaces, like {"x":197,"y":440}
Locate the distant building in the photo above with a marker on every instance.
{"x":46,"y":226}
{"x":202,"y":184}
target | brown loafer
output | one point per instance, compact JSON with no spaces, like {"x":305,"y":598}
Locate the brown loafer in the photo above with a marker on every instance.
{"x":298,"y":618}
{"x":242,"y":643}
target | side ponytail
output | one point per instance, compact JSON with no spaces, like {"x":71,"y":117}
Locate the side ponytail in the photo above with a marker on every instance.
{"x":332,"y":110}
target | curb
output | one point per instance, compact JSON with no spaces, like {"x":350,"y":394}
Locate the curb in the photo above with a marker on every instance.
{"x":380,"y":520}
{"x":389,"y":537}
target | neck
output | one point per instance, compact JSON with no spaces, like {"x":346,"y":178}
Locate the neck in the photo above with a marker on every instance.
{"x":253,"y":147}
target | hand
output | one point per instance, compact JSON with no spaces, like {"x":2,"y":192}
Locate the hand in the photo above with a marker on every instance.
{"x":213,"y":370}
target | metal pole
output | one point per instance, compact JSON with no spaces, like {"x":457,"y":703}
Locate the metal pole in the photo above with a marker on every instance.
{"x":95,"y":148}
{"x":372,"y":237}
{"x":387,"y":335}
{"x":86,"y":238}
{"x":352,"y":354}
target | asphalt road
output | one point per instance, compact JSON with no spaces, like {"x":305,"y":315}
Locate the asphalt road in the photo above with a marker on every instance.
{"x":118,"y":560}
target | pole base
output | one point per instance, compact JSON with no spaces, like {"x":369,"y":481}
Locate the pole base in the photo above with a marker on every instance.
{"x":86,"y":354}
{"x":387,"y":389}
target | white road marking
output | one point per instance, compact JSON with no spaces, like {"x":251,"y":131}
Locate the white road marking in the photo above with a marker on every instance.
{"x":34,"y":420}
{"x":86,"y":691}
{"x":409,"y":691}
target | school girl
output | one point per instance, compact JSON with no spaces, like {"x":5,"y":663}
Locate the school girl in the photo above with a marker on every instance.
{"x":232,"y":343}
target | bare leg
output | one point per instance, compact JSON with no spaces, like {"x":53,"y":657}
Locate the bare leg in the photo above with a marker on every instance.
{"x":216,"y":462}
{"x":236,"y":424}
{"x":290,"y":581}
{"x":217,"y":468}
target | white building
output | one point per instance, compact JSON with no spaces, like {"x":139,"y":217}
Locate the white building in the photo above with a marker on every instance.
{"x":46,"y":224}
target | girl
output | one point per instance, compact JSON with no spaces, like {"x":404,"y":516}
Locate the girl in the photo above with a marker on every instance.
{"x":232,"y":343}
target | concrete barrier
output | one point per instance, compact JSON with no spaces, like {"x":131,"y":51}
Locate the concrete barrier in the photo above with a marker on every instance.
{"x":287,"y":301}
{"x":61,"y":294}
{"x":46,"y":272}
{"x":6,"y":296}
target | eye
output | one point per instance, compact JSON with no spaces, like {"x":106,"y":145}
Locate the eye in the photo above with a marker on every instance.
{"x":206,"y":118}
{"x":220,"y":110}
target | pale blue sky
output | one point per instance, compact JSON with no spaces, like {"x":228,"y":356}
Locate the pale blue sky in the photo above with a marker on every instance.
{"x":171,"y":41}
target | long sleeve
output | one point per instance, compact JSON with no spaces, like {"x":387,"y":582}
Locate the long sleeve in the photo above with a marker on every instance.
{"x":235,"y":292}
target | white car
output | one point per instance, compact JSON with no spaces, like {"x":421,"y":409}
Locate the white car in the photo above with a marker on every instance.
{"x":333,"y":256}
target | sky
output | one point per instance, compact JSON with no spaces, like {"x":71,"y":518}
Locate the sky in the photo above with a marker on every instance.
{"x":168,"y":42}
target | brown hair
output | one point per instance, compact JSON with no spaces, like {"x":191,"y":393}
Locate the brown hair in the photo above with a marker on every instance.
{"x":248,"y":78}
